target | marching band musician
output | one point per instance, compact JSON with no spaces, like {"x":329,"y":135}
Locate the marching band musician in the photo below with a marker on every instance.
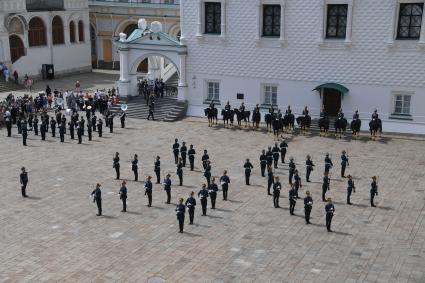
{"x":309,"y":167}
{"x":167,"y":187}
{"x":116,"y":165}
{"x":212,"y":190}
{"x":205,"y":158}
{"x":111,"y":123}
{"x":183,"y":151}
{"x":53,"y":126}
{"x":325,"y":185}
{"x":297,"y":183}
{"x":270,"y":179}
{"x":283,"y":149}
{"x":207,"y":172}
{"x":93,"y":122}
{"x":23,"y":178}
{"x":176,"y":147}
{"x":276,"y":191}
{"x":179,"y":171}
{"x":97,"y":197}
{"x":181,"y":210}
{"x":80,"y":129}
{"x":275,"y":151}
{"x":123,"y":196}
{"x":248,"y":166}
{"x":350,"y":188}
{"x":292,"y":167}
{"x":135,"y":167}
{"x":224,"y":181}
{"x":344,"y":163}
{"x":43,"y":129}
{"x":191,"y":203}
{"x":89,"y":129}
{"x":62,"y":131}
{"x":308,"y":205}
{"x":191,"y":153}
{"x":35,"y":125}
{"x":203,"y":195}
{"x":330,"y":210}
{"x":148,"y":190}
{"x":328,"y":163}
{"x":24,"y":133}
{"x":263,"y":162}
{"x":99,"y":127}
{"x":122,"y":119}
{"x":373,"y":191}
{"x":83,"y":123}
{"x":292,"y":199}
{"x":269,"y":156}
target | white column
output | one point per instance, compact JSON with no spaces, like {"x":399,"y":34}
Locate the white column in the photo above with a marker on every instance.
{"x":123,"y":64}
{"x":321,"y":22}
{"x":393,"y":23}
{"x":422,"y":37}
{"x":223,"y":19}
{"x":182,"y":87}
{"x":182,"y":30}
{"x":66,"y":34}
{"x":349,"y":24}
{"x":199,"y":24}
{"x":282,"y":22}
{"x":259,"y":28}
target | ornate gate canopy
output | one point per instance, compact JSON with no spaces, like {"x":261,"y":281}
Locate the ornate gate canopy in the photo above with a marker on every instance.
{"x":145,"y":42}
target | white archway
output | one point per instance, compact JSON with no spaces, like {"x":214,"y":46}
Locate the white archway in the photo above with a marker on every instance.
{"x":145,"y":43}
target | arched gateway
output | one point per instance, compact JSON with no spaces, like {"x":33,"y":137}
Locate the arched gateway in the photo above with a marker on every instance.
{"x":145,"y":42}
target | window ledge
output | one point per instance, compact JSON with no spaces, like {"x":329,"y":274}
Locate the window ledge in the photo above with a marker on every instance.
{"x":271,"y":42}
{"x":402,"y":117}
{"x":406,"y":45}
{"x":211,"y":38}
{"x":334,"y":43}
{"x":215,"y":101}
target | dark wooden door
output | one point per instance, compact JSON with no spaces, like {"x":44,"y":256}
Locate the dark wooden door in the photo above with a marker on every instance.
{"x":331,"y":101}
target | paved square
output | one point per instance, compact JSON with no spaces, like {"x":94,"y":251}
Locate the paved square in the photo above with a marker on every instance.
{"x":55,"y":236}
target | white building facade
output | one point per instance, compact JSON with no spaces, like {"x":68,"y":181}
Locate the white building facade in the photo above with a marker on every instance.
{"x":357,"y":54}
{"x":33,"y":33}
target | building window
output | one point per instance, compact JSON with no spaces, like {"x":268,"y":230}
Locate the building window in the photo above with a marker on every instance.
{"x":402,"y":104}
{"x":270,"y":95}
{"x":129,"y":29}
{"x":213,"y":91}
{"x":271,"y":20}
{"x":36,"y":32}
{"x":17,"y":49}
{"x":212,"y":17}
{"x":410,"y":20}
{"x":80,"y":31}
{"x":72,"y":32}
{"x":336,"y":24}
{"x":57,"y":30}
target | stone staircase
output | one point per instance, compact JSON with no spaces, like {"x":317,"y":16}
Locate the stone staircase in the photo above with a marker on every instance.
{"x":167,"y":109}
{"x":9,"y":87}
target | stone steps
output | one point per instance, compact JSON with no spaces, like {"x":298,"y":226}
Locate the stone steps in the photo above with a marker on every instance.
{"x":167,"y":109}
{"x":9,"y":87}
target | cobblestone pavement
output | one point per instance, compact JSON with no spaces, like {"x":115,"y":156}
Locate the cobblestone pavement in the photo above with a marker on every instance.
{"x":55,"y":236}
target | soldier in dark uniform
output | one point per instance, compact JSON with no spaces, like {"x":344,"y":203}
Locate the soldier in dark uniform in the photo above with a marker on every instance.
{"x":71,"y":129}
{"x":151,"y":108}
{"x":183,"y":151}
{"x":83,"y":124}
{"x":23,"y":178}
{"x":224,"y":181}
{"x":35,"y":125}
{"x":350,"y":188}
{"x":123,"y":196}
{"x":308,"y":205}
{"x":100,"y":127}
{"x":269,"y":156}
{"x":19,"y":125}
{"x":205,"y":158}
{"x":276,"y":191}
{"x":248,"y":166}
{"x":227,"y":107}
{"x":373,"y":191}
{"x":43,"y":129}
{"x":309,"y":168}
{"x":181,"y":210}
{"x":93,"y":122}
{"x":283,"y":149}
{"x":330,"y":210}
{"x":62,"y":132}
{"x":292,"y":199}
{"x":328,"y":163}
{"x":135,"y":168}
{"x":176,"y":147}
{"x":344,"y":163}
{"x":80,"y":128}
{"x":203,"y":195}
{"x":292,"y":167}
{"x":157,"y":169}
{"x":148,"y":190}
{"x":212,"y":190}
{"x":122,"y":119}
{"x":297,"y":183}
{"x":167,"y":188}
{"x":53,"y":127}
{"x":191,"y":153}
{"x":24,"y":133}
{"x":97,"y":197}
{"x":207,"y":172}
{"x":107,"y":118}
{"x":263,"y":163}
{"x":111,"y":123}
{"x":325,"y":185}
{"x":116,"y":165}
{"x":191,"y":203}
{"x":179,"y":171}
{"x":270,"y":179}
{"x":8,"y":120}
{"x":89,"y":130}
{"x":275,"y":151}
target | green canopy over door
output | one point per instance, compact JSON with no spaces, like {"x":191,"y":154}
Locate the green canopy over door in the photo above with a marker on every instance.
{"x":334,"y":86}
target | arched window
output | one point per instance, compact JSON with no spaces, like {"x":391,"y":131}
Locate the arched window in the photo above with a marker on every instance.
{"x":57,"y":30}
{"x":143,"y":66}
{"x":81,"y":31}
{"x":72,"y":32}
{"x":129,"y":29}
{"x":17,"y":49}
{"x":36,"y":32}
